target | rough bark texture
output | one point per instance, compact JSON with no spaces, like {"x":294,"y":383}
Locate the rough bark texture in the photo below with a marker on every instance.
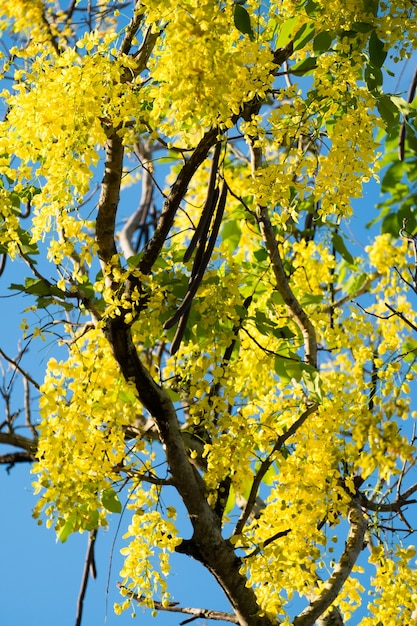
{"x":207,"y":543}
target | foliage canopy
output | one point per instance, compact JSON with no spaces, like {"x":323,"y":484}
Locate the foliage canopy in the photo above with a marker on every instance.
{"x":177,"y":178}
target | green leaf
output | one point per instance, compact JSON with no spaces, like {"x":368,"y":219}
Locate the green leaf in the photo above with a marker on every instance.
{"x":377,"y":54}
{"x":127,"y":397}
{"x":393,"y":221}
{"x":353,"y":284}
{"x":261,"y":254}
{"x":287,"y":31}
{"x":402,"y":105}
{"x":231,"y":234}
{"x":280,"y":369}
{"x":133,"y":261}
{"x":110,"y":501}
{"x":263,"y":323}
{"x":283,"y":332}
{"x":311,"y":298}
{"x":231,"y":499}
{"x":242,"y":21}
{"x":38,"y":287}
{"x":311,"y":8}
{"x":387,"y":110}
{"x":67,"y":529}
{"x":362,"y":27}
{"x":311,"y":379}
{"x":393,"y":176}
{"x":304,"y":35}
{"x":305,"y":66}
{"x":294,"y":369}
{"x":373,"y":77}
{"x":322,"y":42}
{"x":174,"y":396}
{"x":410,"y":351}
{"x":339,"y":246}
{"x":287,"y":369}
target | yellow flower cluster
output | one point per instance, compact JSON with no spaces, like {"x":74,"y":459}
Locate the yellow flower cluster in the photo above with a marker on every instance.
{"x":151,"y":535}
{"x":85,"y":405}
{"x":203,"y":69}
{"x":29,"y":17}
{"x":395,"y":598}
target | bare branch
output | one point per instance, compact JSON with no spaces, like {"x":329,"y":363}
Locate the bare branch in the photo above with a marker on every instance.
{"x":130,"y":32}
{"x":402,"y":317}
{"x":176,"y":195}
{"x":139,"y":217}
{"x":17,"y":367}
{"x":89,"y":569}
{"x":200,"y":265}
{"x":18,"y":441}
{"x":15,"y":457}
{"x":173,"y":607}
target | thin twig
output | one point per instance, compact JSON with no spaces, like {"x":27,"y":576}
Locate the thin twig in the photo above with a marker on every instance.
{"x":89,"y":569}
{"x":173,"y":607}
{"x":266,"y":464}
{"x":19,"y":369}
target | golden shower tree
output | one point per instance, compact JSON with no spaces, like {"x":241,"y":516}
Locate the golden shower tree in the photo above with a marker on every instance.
{"x":176,"y":177}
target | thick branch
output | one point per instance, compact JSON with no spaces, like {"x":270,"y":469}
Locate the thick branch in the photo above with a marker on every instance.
{"x":109,"y":198}
{"x":18,"y":441}
{"x":331,"y":589}
{"x":172,"y":202}
{"x":110,"y":189}
{"x":208,"y":545}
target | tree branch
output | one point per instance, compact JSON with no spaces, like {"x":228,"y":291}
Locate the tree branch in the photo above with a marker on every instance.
{"x":15,"y":457}
{"x":89,"y":568}
{"x":331,"y":589}
{"x":266,"y":464}
{"x":172,"y":202}
{"x":208,"y":544}
{"x":173,"y":607}
{"x":18,"y":441}
{"x":19,"y":369}
{"x":139,"y":217}
{"x":109,"y":198}
{"x":295,"y":310}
